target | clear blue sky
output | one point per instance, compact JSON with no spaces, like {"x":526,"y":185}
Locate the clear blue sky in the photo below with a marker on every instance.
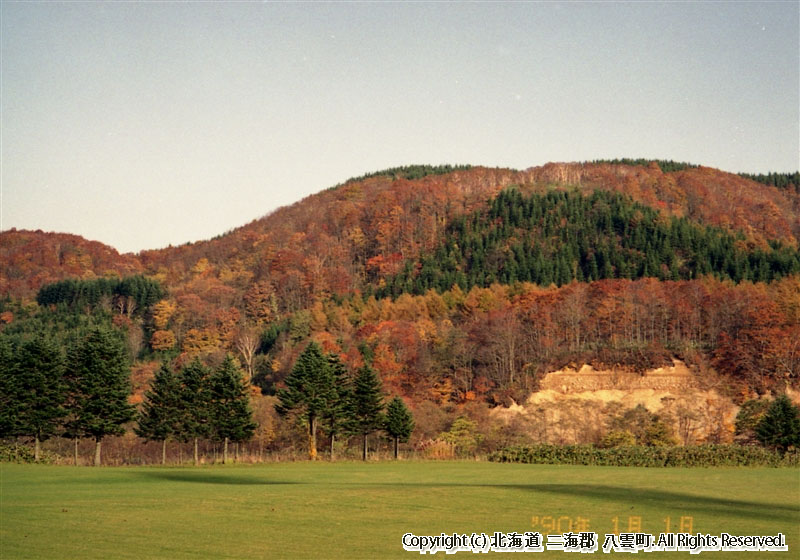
{"x":147,"y":124}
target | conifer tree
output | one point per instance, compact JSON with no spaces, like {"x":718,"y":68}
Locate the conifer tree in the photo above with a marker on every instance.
{"x":39,"y":391}
{"x":367,"y":405}
{"x":194,"y":402}
{"x":336,"y":416}
{"x":231,"y":415}
{"x":399,"y":423}
{"x":8,"y":374}
{"x":309,"y":391}
{"x":158,"y":419}
{"x":779,"y":428}
{"x":101,"y":371}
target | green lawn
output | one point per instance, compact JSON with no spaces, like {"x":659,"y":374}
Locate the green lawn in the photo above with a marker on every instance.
{"x":354,"y":510}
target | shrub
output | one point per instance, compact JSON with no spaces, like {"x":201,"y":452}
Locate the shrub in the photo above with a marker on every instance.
{"x":647,"y":456}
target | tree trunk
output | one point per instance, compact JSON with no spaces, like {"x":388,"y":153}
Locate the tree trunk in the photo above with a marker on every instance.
{"x":312,"y":438}
{"x":97,"y":444}
{"x":164,"y":452}
{"x":364,"y":451}
{"x":37,"y":449}
{"x":333,"y":441}
{"x":76,"y":451}
{"x":225,"y":452}
{"x":396,"y":447}
{"x":196,"y":454}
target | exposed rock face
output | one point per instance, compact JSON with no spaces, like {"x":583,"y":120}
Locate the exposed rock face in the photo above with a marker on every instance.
{"x":575,"y":406}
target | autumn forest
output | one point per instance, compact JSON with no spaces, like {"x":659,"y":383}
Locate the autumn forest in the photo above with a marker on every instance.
{"x":460,"y":287}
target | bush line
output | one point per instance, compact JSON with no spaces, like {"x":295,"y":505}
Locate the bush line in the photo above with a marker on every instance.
{"x":641,"y":456}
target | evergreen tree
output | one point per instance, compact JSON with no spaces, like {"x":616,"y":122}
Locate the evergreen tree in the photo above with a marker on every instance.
{"x":231,"y":415}
{"x":336,"y":416}
{"x":779,"y":428}
{"x":367,"y":405}
{"x":309,"y":391}
{"x":160,"y":413}
{"x":40,"y":391}
{"x":194,"y":402}
{"x":102,"y":373}
{"x":399,"y":423}
{"x":8,"y":391}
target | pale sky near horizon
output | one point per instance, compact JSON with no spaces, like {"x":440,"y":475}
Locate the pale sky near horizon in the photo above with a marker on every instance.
{"x":147,"y":124}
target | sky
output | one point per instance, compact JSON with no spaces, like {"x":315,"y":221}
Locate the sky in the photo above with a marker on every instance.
{"x":147,"y":124}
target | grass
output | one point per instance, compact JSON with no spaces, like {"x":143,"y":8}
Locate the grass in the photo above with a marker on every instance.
{"x":354,"y":510}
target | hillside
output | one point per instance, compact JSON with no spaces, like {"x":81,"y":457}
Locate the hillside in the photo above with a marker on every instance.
{"x":31,"y":259}
{"x":613,"y":264}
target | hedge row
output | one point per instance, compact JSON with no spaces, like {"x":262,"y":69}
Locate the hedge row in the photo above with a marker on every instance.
{"x":640,"y":456}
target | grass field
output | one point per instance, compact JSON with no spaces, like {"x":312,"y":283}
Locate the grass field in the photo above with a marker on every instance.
{"x":354,"y":510}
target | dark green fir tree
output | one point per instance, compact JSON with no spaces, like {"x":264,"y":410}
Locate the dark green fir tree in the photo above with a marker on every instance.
{"x":309,"y":392}
{"x":779,"y":428}
{"x":159,"y":416}
{"x":194,"y":402}
{"x":231,"y":415}
{"x":399,"y":423}
{"x":101,"y":371}
{"x":366,"y":406}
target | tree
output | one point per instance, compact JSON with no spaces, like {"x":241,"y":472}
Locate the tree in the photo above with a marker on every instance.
{"x":40,"y":390}
{"x":231,"y":415}
{"x":748,"y":418}
{"x":780,"y":426}
{"x":8,"y":374}
{"x":159,"y":416}
{"x":399,"y":422}
{"x":31,"y":390}
{"x":194,"y":401}
{"x":463,"y":435}
{"x":309,"y":391}
{"x":101,"y":371}
{"x":366,"y":407}
{"x":336,"y":415}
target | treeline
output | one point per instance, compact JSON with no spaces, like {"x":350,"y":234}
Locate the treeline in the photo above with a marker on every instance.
{"x":321,"y":391}
{"x":667,"y":166}
{"x":77,"y":392}
{"x":561,"y":236}
{"x":132,"y":295}
{"x":197,"y":403}
{"x":83,"y":391}
{"x":410,"y":172}
{"x":779,"y":180}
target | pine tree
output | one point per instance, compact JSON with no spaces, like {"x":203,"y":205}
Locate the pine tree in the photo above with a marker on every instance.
{"x":194,"y":402}
{"x":100,"y":367}
{"x":8,"y":390}
{"x":231,"y":415}
{"x":160,"y":413}
{"x":309,"y":391}
{"x":399,"y":423}
{"x":367,"y":405}
{"x":336,"y":415}
{"x":40,"y":391}
{"x":779,"y":428}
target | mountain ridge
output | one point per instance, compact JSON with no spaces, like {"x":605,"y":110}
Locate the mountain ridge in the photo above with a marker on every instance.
{"x":364,"y":210}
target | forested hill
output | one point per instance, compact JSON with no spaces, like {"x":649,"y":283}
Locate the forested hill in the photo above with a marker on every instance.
{"x":493,"y":275}
{"x":561,"y":236}
{"x":328,"y":242}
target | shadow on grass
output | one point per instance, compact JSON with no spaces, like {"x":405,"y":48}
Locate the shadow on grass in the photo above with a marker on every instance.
{"x":200,"y":477}
{"x":669,"y":500}
{"x":664,"y":499}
